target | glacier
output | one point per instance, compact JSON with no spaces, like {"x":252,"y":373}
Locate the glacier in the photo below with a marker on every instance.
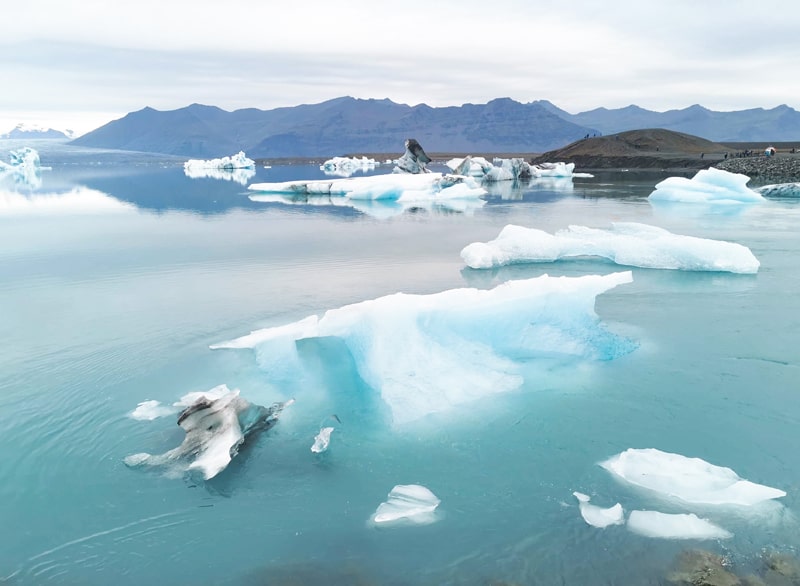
{"x":237,"y":168}
{"x":598,"y":516}
{"x":707,"y":186}
{"x":427,"y":353}
{"x":398,"y":187}
{"x":690,"y":480}
{"x":346,"y":166}
{"x":626,"y":243}
{"x":411,"y":503}
{"x":674,"y":526}
{"x":216,"y":423}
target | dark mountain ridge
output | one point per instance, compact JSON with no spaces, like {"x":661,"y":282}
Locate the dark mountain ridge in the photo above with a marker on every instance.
{"x":348,"y":125}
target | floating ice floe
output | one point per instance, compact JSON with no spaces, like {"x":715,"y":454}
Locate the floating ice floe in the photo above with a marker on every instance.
{"x":346,"y":166}
{"x":377,"y":208}
{"x":597,"y":516}
{"x":410,"y":503}
{"x":780,"y":190}
{"x":322,"y":440}
{"x":23,"y":168}
{"x":707,"y":186}
{"x":674,"y":526}
{"x":236,"y":168}
{"x":216,"y":423}
{"x":427,"y":353}
{"x":690,"y":480}
{"x":626,"y":243}
{"x":395,"y":186}
{"x":77,"y":201}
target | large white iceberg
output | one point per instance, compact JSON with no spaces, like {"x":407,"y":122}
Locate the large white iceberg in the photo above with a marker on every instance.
{"x":236,"y":168}
{"x":598,"y":516}
{"x":410,"y":503}
{"x":346,"y":166}
{"x":216,"y":423}
{"x":395,"y":186}
{"x":674,"y":526}
{"x":707,"y":186}
{"x":23,"y":168}
{"x":427,"y":353}
{"x":626,"y":243}
{"x":690,"y":480}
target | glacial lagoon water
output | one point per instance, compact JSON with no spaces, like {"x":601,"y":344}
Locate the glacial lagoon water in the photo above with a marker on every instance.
{"x":118,"y":272}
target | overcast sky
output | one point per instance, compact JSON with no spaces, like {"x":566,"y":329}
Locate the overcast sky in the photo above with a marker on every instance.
{"x":82,"y":63}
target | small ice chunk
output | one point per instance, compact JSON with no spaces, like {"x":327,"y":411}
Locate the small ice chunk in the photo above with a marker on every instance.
{"x":322,"y":440}
{"x":680,"y":526}
{"x":149,"y":410}
{"x":408,"y":502}
{"x":690,"y":480}
{"x":597,"y":516}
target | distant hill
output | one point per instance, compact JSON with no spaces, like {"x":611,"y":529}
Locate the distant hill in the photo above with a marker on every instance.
{"x":653,"y":148}
{"x":338,"y":127}
{"x":26,"y":131}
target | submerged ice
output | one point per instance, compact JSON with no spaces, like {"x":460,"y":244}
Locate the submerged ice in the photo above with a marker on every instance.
{"x":690,"y":480}
{"x":427,"y":353}
{"x":216,"y":423}
{"x":707,"y":186}
{"x":674,"y":526}
{"x":626,"y":243}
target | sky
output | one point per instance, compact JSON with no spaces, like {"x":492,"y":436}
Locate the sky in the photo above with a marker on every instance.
{"x":80,"y":64}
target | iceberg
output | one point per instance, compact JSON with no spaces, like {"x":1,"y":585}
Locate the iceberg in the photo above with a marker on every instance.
{"x":428,"y":353}
{"x":501,"y":169}
{"x":399,"y":187}
{"x":414,"y":160}
{"x":24,"y":168}
{"x":411,"y":503}
{"x":707,"y":186}
{"x":626,"y":243}
{"x":346,"y":166}
{"x":236,"y":168}
{"x":149,"y":410}
{"x":216,"y":423}
{"x":679,"y":526}
{"x":780,"y":190}
{"x":690,"y":480}
{"x":597,"y":516}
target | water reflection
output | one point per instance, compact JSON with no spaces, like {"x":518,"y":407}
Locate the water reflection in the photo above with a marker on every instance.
{"x":79,"y":200}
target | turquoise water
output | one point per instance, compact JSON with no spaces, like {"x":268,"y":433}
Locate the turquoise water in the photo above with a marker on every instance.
{"x":107,"y":304}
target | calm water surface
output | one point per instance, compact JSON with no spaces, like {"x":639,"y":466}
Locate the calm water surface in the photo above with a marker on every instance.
{"x":117,"y":272}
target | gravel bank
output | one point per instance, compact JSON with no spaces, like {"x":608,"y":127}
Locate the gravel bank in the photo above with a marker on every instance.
{"x":763,"y":170}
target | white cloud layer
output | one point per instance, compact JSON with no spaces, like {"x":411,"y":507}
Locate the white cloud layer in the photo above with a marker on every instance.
{"x":92,"y":61}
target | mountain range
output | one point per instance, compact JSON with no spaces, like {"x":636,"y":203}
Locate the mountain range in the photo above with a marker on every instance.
{"x":27,"y":131}
{"x":356,"y":126}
